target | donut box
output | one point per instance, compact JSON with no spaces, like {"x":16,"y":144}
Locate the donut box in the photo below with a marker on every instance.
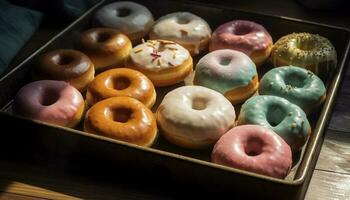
{"x":164,"y":161}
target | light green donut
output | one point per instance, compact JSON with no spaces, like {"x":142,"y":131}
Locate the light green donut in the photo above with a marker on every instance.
{"x":286,"y":119}
{"x":297,"y":85}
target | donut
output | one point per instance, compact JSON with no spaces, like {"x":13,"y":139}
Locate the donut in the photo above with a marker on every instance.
{"x":310,"y":51}
{"x":106,"y":47}
{"x":184,"y":28}
{"x":230,"y":72}
{"x":297,"y":85}
{"x":130,"y":18}
{"x":194,"y":117}
{"x":54,"y":102}
{"x":67,"y":65}
{"x":122,"y":118}
{"x":286,"y":119}
{"x":163,"y":62}
{"x":245,"y":36}
{"x":121,"y":82}
{"x":254,"y":148}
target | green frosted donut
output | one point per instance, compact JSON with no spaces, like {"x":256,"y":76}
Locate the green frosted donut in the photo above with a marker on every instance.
{"x":297,"y":85}
{"x":286,"y":119}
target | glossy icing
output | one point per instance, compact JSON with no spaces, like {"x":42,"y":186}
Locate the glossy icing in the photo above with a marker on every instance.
{"x":241,"y":35}
{"x":156,"y":55}
{"x":195,"y":114}
{"x":298,"y":85}
{"x":286,"y":119}
{"x":224,"y":70}
{"x":254,"y":148}
{"x":50,"y":101}
{"x":126,"y":16}
{"x":182,"y":27}
{"x":310,"y":51}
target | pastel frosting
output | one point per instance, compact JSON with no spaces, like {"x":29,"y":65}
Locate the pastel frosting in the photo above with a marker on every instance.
{"x":298,"y":85}
{"x":156,"y":55}
{"x":285,"y":118}
{"x":241,"y":35}
{"x":224,"y":70}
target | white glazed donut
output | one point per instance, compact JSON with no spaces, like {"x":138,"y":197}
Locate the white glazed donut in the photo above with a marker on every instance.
{"x":185,"y":28}
{"x":130,"y":18}
{"x":194,"y":116}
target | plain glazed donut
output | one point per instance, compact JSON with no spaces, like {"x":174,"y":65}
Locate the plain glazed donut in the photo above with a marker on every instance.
{"x":106,"y":47}
{"x":122,"y":118}
{"x":163,"y":62}
{"x":245,"y":36}
{"x":121,"y":82}
{"x":194,"y":116}
{"x":297,"y":85}
{"x":254,"y":148}
{"x":310,"y":51}
{"x":286,"y":119}
{"x":130,"y":18}
{"x":67,"y":65}
{"x":229,"y":72}
{"x":54,"y":102}
{"x":184,"y":28}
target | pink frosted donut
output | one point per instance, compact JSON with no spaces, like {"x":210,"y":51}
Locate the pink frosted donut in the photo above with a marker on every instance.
{"x":245,"y":36}
{"x":254,"y":148}
{"x":55,"y":102}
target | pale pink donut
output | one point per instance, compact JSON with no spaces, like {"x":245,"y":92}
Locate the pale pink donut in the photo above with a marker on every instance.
{"x":254,"y":148}
{"x":55,"y":102}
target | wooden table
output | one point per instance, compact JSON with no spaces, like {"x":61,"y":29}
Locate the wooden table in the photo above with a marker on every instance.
{"x":331,"y":177}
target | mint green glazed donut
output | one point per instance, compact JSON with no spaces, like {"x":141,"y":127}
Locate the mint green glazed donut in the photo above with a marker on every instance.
{"x":284,"y":118}
{"x":297,"y":85}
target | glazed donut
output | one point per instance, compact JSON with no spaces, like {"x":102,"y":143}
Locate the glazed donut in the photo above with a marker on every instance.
{"x":121,"y":82}
{"x":67,"y":65}
{"x":245,"y":36}
{"x":122,"y":118}
{"x":106,"y":47}
{"x":230,"y":72}
{"x":130,"y":18}
{"x":184,"y":28}
{"x":54,"y":102}
{"x":310,"y":51}
{"x":163,"y":62}
{"x":194,"y":117}
{"x":284,"y":118}
{"x":254,"y":148}
{"x":297,"y":85}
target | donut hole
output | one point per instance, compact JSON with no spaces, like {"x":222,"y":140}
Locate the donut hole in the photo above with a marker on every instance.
{"x":119,"y":83}
{"x":49,"y":97}
{"x":225,"y":61}
{"x":121,"y":115}
{"x":242,"y":30}
{"x":254,"y":146}
{"x":182,"y":20}
{"x":62,"y":59}
{"x":102,"y":37}
{"x":294,"y":80}
{"x":199,"y":103}
{"x":306,"y":45}
{"x":123,"y":12}
{"x":275,"y":115}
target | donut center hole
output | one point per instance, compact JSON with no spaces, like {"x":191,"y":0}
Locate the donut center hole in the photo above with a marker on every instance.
{"x":49,"y":97}
{"x":306,"y":45}
{"x":199,"y":103}
{"x":275,"y":115}
{"x":182,"y":20}
{"x":242,"y":30}
{"x":102,"y":37}
{"x":62,"y":59}
{"x":120,"y":83}
{"x":294,"y":80}
{"x":123,"y":12}
{"x":121,"y":115}
{"x":254,"y":146}
{"x":225,"y":61}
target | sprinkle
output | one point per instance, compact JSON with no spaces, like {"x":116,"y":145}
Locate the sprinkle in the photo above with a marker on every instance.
{"x":172,"y":48}
{"x":290,"y":113}
{"x":138,"y":51}
{"x":171,"y":64}
{"x":149,"y":45}
{"x":166,"y":42}
{"x":174,"y":55}
{"x":294,"y":125}
{"x":183,"y":32}
{"x":159,"y":62}
{"x":143,"y":40}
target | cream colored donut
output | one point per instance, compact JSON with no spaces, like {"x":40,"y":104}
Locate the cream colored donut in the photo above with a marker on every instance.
{"x":185,"y":28}
{"x":194,"y":116}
